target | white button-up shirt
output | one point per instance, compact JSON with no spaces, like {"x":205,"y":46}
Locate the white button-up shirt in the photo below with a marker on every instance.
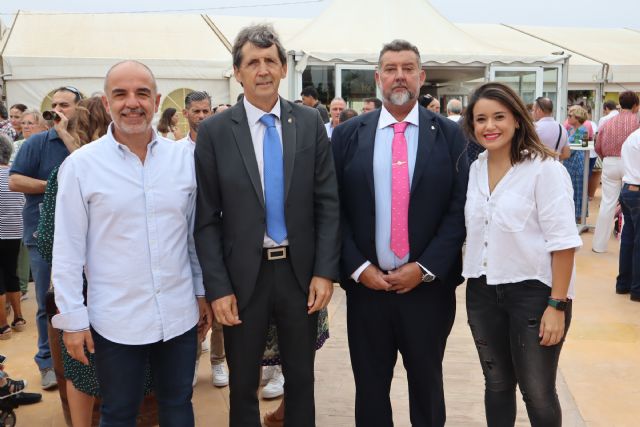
{"x":129,"y":225}
{"x":630,"y":154}
{"x":512,"y":232}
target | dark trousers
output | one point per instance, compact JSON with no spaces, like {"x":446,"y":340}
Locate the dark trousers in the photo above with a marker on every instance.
{"x":121,"y":371}
{"x":629,"y":267}
{"x":9,"y":249}
{"x":379,"y":324}
{"x":505,"y":323}
{"x":277,"y":295}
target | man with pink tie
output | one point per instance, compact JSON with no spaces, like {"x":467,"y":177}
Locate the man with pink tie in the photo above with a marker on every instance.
{"x":402,"y":175}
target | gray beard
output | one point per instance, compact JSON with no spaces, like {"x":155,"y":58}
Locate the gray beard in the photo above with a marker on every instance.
{"x":400,"y":98}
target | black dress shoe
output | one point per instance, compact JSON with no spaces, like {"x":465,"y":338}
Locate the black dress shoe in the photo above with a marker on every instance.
{"x":622,"y":291}
{"x":26,"y":398}
{"x":635,"y":298}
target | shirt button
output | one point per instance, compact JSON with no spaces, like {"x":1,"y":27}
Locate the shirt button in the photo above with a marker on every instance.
{"x":486,"y":244}
{"x":486,"y":222}
{"x":157,"y":291}
{"x":484,"y":264}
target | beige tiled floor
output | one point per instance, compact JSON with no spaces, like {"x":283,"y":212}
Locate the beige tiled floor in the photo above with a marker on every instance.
{"x":598,"y":384}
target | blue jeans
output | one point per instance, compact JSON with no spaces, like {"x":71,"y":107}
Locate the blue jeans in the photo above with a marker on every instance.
{"x":41,"y":271}
{"x":120,"y":370}
{"x":629,"y":266}
{"x":505,"y":322}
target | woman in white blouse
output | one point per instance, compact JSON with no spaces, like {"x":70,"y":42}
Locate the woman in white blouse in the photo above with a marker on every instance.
{"x":519,"y":258}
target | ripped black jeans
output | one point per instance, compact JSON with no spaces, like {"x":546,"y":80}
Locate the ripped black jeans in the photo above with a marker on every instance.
{"x":505,"y":322}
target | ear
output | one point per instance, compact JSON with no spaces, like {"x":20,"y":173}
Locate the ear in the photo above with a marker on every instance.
{"x":236,"y":74}
{"x":105,"y":103}
{"x":284,"y":71}
{"x":158,"y":96}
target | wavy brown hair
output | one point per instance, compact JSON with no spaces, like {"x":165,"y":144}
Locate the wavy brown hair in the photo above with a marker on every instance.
{"x":525,"y":143}
{"x":91,"y":120}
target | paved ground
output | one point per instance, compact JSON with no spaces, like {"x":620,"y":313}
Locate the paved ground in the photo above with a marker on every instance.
{"x":598,"y":384}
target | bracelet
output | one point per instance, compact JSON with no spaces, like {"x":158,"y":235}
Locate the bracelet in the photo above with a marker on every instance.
{"x":559,"y":299}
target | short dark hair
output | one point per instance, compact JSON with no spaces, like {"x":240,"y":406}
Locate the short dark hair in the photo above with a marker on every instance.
{"x":71,"y":89}
{"x":425,"y":100}
{"x":346,"y":114}
{"x":196,"y":96}
{"x":4,"y":113}
{"x":628,"y":99}
{"x":20,"y":107}
{"x":610,"y":105}
{"x":545,"y":104}
{"x":375,"y":101}
{"x":398,"y":45}
{"x":262,"y":36}
{"x":309,"y":91}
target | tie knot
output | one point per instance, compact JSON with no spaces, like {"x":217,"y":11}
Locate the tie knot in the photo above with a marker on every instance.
{"x":400,"y":127}
{"x":269,"y":120}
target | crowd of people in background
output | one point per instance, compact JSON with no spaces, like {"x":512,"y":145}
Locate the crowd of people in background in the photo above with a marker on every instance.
{"x":495,"y":152}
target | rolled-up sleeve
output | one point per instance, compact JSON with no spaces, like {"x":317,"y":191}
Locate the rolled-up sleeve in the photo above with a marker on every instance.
{"x":69,"y":251}
{"x":556,"y":212}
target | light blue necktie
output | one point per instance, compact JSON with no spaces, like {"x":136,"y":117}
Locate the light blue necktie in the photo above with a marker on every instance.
{"x":273,"y":180}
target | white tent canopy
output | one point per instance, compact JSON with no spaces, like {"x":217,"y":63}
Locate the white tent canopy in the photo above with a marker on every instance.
{"x":616,"y":48}
{"x":46,"y":51}
{"x":355,"y":30}
{"x":581,"y":68}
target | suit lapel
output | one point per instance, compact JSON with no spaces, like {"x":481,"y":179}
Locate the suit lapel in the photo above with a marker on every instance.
{"x":427,"y":131}
{"x":245,"y":146}
{"x":288,"y":122}
{"x":366,"y":144}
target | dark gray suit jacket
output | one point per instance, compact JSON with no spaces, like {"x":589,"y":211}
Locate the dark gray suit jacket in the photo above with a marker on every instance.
{"x":230,"y":212}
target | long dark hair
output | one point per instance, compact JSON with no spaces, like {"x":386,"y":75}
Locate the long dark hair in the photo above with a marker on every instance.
{"x":164,"y":125}
{"x":525,"y":143}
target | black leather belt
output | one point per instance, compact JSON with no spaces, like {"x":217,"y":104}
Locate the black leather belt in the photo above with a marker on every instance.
{"x":274,"y":254}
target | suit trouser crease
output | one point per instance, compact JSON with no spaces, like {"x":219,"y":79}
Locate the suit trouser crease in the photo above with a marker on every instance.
{"x":416,"y":324}
{"x":277,"y":296}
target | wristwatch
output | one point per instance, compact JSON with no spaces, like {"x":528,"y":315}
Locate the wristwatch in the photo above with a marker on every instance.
{"x":427,"y":276}
{"x":557,"y":304}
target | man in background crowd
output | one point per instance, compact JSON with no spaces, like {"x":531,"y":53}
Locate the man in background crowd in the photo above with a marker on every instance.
{"x":310,"y":98}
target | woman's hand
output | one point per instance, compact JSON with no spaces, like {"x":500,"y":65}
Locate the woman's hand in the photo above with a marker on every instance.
{"x":551,"y":327}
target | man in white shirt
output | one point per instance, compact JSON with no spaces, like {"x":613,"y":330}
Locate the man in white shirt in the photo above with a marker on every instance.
{"x":454,"y":110}
{"x":550,"y":132}
{"x":125,"y":214}
{"x":335,"y":108}
{"x":197,"y":107}
{"x":628,"y":280}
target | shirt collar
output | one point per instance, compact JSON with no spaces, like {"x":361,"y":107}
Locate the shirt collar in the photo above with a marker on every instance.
{"x":386,"y":119}
{"x":123,"y":148}
{"x":254,"y":113}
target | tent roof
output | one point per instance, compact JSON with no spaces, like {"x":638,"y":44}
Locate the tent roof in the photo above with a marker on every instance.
{"x":372,"y":23}
{"x":230,"y":26}
{"x":617,"y":47}
{"x":581,"y":68}
{"x":69,"y":45}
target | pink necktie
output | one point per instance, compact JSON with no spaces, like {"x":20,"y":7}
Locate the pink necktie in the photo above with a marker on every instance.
{"x":399,"y":192}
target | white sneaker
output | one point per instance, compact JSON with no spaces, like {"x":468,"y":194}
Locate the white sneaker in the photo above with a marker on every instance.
{"x":219,"y":375}
{"x":195,"y":374}
{"x":267,"y":374}
{"x":275,"y":385}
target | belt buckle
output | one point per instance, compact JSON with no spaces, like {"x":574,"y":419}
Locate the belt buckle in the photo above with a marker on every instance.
{"x":276,"y":253}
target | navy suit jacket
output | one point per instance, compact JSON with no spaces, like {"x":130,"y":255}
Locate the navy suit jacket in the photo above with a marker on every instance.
{"x":436,"y":206}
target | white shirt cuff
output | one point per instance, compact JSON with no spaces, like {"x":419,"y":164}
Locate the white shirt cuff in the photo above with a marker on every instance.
{"x":73,"y":321}
{"x":356,"y":274}
{"x":425,"y":269}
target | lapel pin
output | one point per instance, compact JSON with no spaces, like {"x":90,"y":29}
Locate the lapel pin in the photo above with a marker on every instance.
{"x":433,"y":127}
{"x":290,"y":120}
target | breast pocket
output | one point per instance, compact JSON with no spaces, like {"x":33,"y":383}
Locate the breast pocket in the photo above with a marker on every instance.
{"x":513,"y":212}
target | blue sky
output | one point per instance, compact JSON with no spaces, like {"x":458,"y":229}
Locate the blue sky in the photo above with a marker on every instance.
{"x":590,"y":13}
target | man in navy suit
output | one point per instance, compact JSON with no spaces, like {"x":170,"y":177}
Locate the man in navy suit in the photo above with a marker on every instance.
{"x":402,"y":177}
